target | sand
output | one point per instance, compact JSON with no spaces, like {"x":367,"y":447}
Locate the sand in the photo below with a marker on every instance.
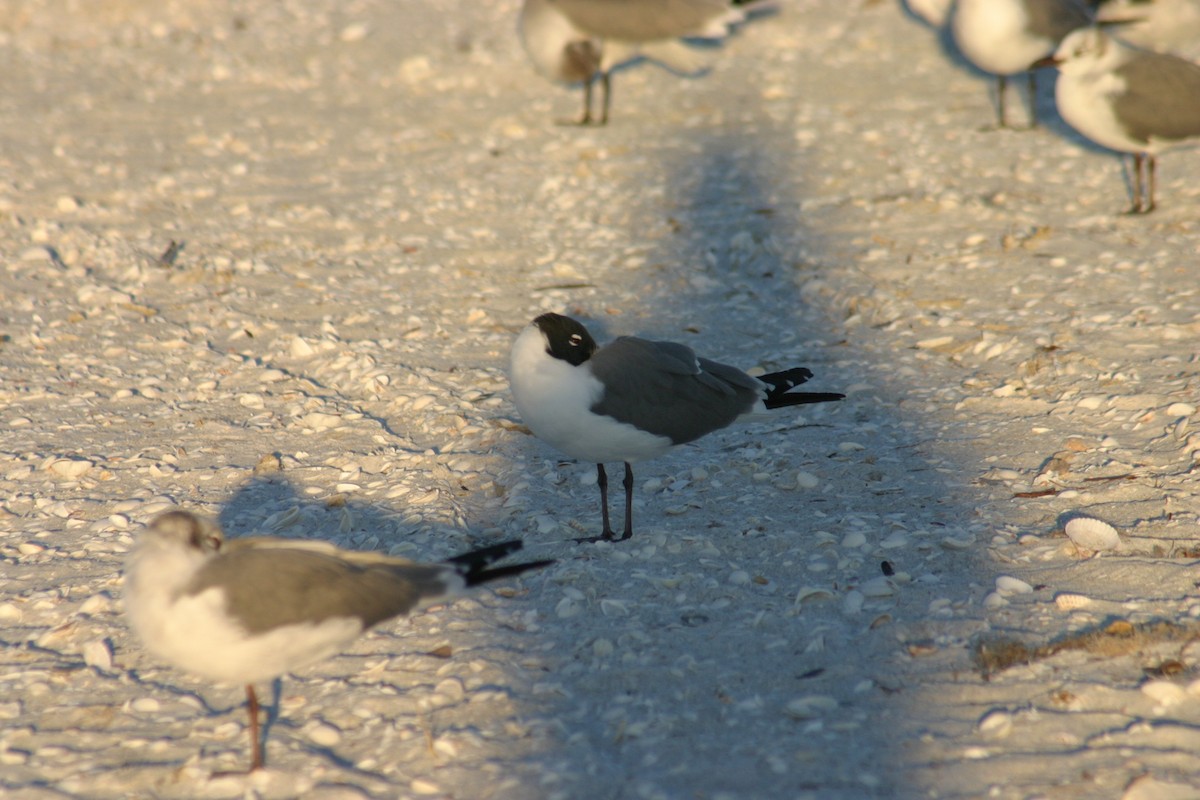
{"x":264,"y":261}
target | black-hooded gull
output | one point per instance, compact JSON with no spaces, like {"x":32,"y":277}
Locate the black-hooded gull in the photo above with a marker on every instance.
{"x":632,"y":399}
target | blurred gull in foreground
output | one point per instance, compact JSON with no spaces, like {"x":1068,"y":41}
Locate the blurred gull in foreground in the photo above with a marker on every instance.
{"x":582,"y":41}
{"x":1007,"y":37}
{"x":633,"y":399}
{"x":252,"y":609}
{"x":1129,"y":100}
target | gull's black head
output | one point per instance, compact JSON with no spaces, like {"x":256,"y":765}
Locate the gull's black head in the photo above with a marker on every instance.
{"x":566,"y":339}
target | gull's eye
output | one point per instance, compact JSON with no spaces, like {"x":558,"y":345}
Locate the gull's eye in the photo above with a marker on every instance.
{"x":576,"y":340}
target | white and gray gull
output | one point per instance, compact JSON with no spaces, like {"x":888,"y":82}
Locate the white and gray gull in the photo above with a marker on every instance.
{"x":632,"y":399}
{"x":251,"y":609}
{"x":1129,"y":100}
{"x":582,"y":41}
{"x":1008,"y":37}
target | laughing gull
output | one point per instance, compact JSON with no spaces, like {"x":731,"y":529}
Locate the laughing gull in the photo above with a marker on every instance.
{"x":582,"y":41}
{"x":251,"y":609}
{"x":1127,"y":99}
{"x":1007,"y":37}
{"x":632,"y":399}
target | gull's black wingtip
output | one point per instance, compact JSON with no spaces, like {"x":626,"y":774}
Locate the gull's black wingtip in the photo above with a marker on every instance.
{"x":475,"y":566}
{"x":481,"y":557}
{"x":476,"y":577}
{"x":801,"y":398}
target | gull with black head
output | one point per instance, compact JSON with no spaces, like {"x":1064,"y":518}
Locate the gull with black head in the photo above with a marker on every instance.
{"x":252,"y":609}
{"x":633,"y":399}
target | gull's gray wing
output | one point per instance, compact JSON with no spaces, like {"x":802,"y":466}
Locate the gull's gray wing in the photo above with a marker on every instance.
{"x":274,"y":586}
{"x":663,"y":388}
{"x":642,"y":20}
{"x":1161,"y":98}
{"x":1054,"y":19}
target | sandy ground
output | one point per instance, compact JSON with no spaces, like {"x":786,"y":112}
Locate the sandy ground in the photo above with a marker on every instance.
{"x":368,"y":199}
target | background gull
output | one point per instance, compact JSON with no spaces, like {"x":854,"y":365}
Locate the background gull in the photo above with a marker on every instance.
{"x":1156,"y":24}
{"x":1006,"y":37}
{"x":1129,"y":100}
{"x":252,"y":609}
{"x":582,"y":41}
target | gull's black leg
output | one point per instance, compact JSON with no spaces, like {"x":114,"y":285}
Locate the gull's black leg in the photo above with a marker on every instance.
{"x":602,"y":481}
{"x":605,"y":94}
{"x":628,"y":503}
{"x":607,"y":535}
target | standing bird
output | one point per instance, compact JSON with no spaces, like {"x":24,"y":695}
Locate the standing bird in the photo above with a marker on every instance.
{"x":632,"y":399}
{"x":582,"y":41}
{"x":1007,"y":37}
{"x":252,"y":609}
{"x":1127,"y":99}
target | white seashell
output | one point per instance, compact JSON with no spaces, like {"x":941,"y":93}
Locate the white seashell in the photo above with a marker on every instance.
{"x":566,"y":608}
{"x":324,"y":734}
{"x":145,"y":705}
{"x":994,"y":600}
{"x":806,"y":480}
{"x":958,"y":543}
{"x":812,"y":593}
{"x":1165,"y":693}
{"x":446,"y":747}
{"x":70,"y":467}
{"x":1180,"y":410}
{"x":852,"y":603}
{"x":423,"y":402}
{"x":996,"y":724}
{"x":1090,"y":533}
{"x":613,"y":608}
{"x":318,"y":421}
{"x":451,"y":689}
{"x":897,"y":539}
{"x":1007,"y":584}
{"x":302,"y":349}
{"x":424,"y":787}
{"x":354,"y":32}
{"x":98,"y":653}
{"x":854,"y":539}
{"x":282,"y":519}
{"x":877,"y":587}
{"x":424,"y":499}
{"x":1069,"y":601}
